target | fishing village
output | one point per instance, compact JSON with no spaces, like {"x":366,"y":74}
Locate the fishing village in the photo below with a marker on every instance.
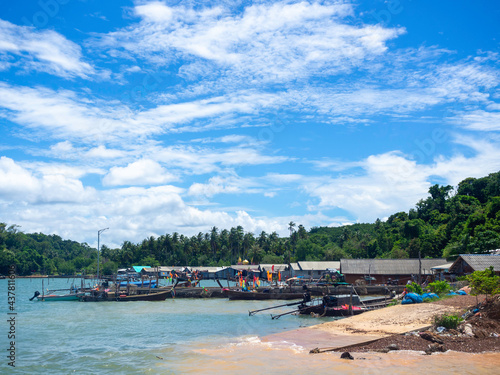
{"x":407,"y":304}
{"x":297,"y":187}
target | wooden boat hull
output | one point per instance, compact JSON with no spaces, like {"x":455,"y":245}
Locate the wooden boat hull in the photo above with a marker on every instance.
{"x":111,"y":297}
{"x":342,"y":309}
{"x":64,"y":297}
{"x":239,"y":295}
{"x":330,"y":311}
{"x":158,"y":296}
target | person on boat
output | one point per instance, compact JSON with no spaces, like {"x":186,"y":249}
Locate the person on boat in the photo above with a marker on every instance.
{"x":306,"y":295}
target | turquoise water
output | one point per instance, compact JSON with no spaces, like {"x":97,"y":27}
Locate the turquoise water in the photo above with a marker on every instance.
{"x":186,"y":336}
{"x":112,"y":337}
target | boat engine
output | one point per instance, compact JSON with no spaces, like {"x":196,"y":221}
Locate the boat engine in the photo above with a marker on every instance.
{"x":37,"y":293}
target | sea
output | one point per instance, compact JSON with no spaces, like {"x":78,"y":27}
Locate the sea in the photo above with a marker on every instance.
{"x":181,"y":336}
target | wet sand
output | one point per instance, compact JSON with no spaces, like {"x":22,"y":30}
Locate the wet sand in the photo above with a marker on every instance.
{"x":364,"y":328}
{"x":289,"y":352}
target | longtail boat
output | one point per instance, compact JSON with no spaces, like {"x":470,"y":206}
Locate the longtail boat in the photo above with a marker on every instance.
{"x":333,"y":306}
{"x":121,"y":296}
{"x":157,"y":296}
{"x":61,"y":297}
{"x":272,"y":294}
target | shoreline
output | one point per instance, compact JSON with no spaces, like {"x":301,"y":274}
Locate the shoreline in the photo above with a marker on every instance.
{"x":374,"y":331}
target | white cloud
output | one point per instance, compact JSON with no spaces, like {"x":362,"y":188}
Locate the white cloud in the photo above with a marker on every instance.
{"x":131,"y":214}
{"x":102,"y":152}
{"x":22,"y":185}
{"x":155,"y":12}
{"x":69,"y":171}
{"x":15,"y":181}
{"x":390,"y":182}
{"x":485,"y":160}
{"x":142,"y":172}
{"x":197,"y":160}
{"x":64,"y":114}
{"x":280,"y":40}
{"x":228,"y":184}
{"x":231,"y":138}
{"x":44,"y":50}
{"x":478,"y":120}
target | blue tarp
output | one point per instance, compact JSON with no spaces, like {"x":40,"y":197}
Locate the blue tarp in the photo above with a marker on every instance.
{"x":412,"y":298}
{"x":138,"y":269}
{"x":430,"y":295}
{"x":462,"y":292}
{"x":452,"y":294}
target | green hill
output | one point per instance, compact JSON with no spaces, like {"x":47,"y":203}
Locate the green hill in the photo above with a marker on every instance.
{"x":465,"y":219}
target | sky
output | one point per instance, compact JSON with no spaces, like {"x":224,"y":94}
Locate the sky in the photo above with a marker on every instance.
{"x":154,"y":117}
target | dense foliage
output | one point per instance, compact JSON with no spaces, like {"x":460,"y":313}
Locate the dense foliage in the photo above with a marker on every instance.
{"x":449,"y":222}
{"x":40,"y":253}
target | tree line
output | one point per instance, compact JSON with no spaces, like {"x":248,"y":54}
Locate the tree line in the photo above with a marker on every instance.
{"x":451,"y":221}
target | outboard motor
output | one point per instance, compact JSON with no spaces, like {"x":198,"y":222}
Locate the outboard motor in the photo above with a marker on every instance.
{"x":37,"y":293}
{"x":306,"y":297}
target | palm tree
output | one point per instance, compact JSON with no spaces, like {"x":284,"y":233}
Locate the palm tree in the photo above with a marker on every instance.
{"x":213,"y":241}
{"x":302,"y":232}
{"x":263,"y":241}
{"x":291,"y":226}
{"x":248,"y":241}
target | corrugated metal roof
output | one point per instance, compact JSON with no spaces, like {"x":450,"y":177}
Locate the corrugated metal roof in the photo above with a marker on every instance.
{"x":388,"y":266}
{"x":295,"y":266}
{"x":442,"y":267}
{"x":277,"y":267}
{"x":150,"y":269}
{"x":166,"y":271}
{"x":318,"y":266}
{"x":241,"y":267}
{"x":207,"y":269}
{"x":478,"y":262}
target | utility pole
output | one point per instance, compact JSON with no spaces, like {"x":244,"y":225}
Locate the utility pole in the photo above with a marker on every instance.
{"x":99,"y":250}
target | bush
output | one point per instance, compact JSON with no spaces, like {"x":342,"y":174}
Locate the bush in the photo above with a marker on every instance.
{"x":484,"y":282}
{"x":414,"y":288}
{"x":439,"y":287}
{"x":447,"y":321}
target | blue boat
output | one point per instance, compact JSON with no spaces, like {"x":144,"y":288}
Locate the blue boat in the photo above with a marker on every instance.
{"x":144,"y":283}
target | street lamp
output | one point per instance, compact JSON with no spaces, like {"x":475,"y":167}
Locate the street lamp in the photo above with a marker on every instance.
{"x":99,"y":249}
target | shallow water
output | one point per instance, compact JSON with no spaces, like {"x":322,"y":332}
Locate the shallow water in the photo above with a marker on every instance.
{"x":183,"y":336}
{"x":280,"y":358}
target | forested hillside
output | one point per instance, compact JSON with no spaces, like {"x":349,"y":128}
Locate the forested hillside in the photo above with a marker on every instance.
{"x":40,"y":253}
{"x":452,"y":220}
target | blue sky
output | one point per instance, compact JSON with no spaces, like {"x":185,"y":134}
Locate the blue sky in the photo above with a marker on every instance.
{"x":151,"y":117}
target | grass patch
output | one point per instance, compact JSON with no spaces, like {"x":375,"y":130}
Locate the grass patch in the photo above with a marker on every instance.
{"x":448,"y":321}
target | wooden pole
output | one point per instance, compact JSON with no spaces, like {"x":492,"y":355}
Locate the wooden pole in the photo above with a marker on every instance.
{"x":350,"y":300}
{"x":419,"y":268}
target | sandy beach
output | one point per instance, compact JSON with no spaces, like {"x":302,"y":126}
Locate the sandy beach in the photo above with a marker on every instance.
{"x":376,"y":329}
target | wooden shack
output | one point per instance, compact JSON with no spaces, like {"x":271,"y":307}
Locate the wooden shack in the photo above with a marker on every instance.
{"x":386,"y":271}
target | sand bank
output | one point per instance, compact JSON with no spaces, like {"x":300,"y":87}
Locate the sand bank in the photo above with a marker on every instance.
{"x":366,"y":327}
